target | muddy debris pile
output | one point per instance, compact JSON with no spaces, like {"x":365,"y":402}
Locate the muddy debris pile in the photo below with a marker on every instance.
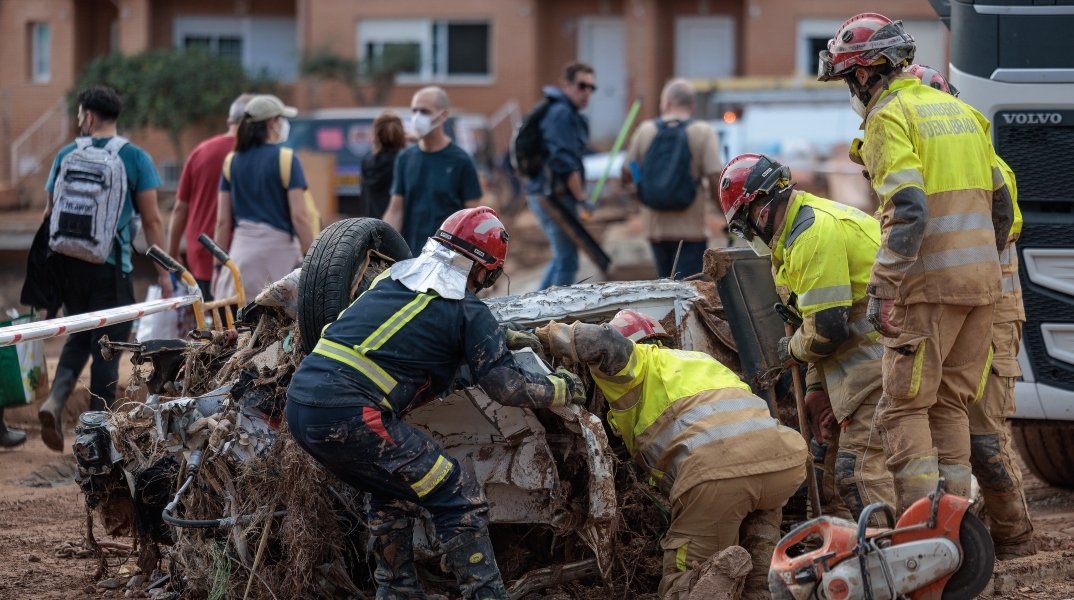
{"x":205,"y":494}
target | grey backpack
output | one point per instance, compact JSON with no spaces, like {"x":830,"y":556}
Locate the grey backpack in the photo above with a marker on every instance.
{"x":87,"y":199}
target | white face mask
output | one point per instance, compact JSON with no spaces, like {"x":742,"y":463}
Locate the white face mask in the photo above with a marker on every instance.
{"x":285,"y":130}
{"x":422,"y":123}
{"x":857,"y":105}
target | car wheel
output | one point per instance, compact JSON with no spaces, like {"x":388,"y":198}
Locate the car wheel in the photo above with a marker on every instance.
{"x":331,"y":266}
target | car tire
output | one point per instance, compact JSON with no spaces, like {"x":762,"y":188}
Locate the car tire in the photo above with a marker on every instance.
{"x":1048,"y":449}
{"x":330,"y":266}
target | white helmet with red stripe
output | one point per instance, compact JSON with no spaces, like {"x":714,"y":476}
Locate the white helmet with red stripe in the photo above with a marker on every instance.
{"x":637,"y":327}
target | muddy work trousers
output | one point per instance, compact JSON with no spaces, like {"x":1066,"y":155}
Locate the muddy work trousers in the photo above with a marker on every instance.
{"x":991,"y":455}
{"x":933,"y":371}
{"x":855,"y":474}
{"x":401,"y":468}
{"x":713,"y":515}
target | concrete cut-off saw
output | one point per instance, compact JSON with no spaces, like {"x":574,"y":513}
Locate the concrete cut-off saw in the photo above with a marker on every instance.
{"x":936,"y":551}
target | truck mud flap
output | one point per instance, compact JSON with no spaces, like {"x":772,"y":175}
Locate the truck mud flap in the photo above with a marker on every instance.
{"x":572,"y":226}
{"x":744,"y":282}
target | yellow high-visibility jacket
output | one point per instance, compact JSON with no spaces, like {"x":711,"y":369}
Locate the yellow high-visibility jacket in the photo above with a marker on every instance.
{"x":685,"y":418}
{"x":931,"y":162}
{"x":824,"y":255}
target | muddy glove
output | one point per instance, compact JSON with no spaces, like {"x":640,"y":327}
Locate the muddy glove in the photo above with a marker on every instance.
{"x":517,"y":340}
{"x":879,"y":314}
{"x":575,"y":387}
{"x":786,"y":357}
{"x":556,"y":340}
{"x":818,"y":408}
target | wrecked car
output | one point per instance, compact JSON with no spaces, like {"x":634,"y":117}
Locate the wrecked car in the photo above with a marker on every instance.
{"x":204,"y":474}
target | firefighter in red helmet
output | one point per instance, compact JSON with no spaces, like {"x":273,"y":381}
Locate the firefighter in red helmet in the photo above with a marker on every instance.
{"x":945,"y":215}
{"x":397,"y":346}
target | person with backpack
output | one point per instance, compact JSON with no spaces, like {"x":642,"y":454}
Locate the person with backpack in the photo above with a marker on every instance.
{"x":674,"y":156}
{"x":262,"y":215}
{"x":548,"y":150}
{"x":97,"y":186}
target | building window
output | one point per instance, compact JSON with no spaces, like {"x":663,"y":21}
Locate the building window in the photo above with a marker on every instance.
{"x":40,"y":52}
{"x":426,"y":50}
{"x":262,"y":45}
{"x":224,"y":46}
{"x":169,"y":175}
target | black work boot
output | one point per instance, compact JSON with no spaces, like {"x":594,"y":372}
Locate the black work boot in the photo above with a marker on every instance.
{"x":393,"y":547}
{"x":9,"y":438}
{"x":470,"y":558}
{"x":51,"y":412}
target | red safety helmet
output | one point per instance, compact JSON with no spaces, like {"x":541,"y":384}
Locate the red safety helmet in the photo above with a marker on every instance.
{"x":747,"y":177}
{"x":637,"y":327}
{"x":932,"y":78}
{"x":865,"y":40}
{"x":478,"y":234}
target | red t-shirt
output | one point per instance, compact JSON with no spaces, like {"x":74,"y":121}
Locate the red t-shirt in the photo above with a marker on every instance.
{"x":198,"y":186}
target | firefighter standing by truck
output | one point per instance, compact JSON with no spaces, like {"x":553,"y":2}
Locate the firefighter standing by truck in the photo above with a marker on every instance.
{"x":822,"y":253}
{"x":398,"y":345}
{"x":936,"y":279}
{"x":702,"y":436}
{"x":991,"y":455}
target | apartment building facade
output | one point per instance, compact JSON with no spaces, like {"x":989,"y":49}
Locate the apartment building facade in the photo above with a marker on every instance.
{"x":485,"y":53}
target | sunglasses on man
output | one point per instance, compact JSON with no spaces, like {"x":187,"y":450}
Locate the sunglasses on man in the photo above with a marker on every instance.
{"x":586,"y":87}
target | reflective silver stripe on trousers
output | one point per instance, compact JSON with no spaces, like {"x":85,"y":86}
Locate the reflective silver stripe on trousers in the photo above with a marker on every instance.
{"x":961,"y":222}
{"x":891,"y":261}
{"x":835,"y":293}
{"x":1011,"y":283}
{"x":898,"y":178}
{"x":1005,"y":256}
{"x":656,"y":448}
{"x":953,"y":258}
{"x":861,"y":327}
{"x":833,"y":375}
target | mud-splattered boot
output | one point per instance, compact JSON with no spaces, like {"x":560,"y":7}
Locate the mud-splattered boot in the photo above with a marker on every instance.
{"x":9,"y":438}
{"x":759,"y":534}
{"x":393,"y":547}
{"x":1004,"y":498}
{"x":470,"y":558}
{"x":51,"y":412}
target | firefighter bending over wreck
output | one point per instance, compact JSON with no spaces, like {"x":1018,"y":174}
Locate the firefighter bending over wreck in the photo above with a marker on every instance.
{"x":700,"y":433}
{"x":822,"y":253}
{"x":398,"y":345}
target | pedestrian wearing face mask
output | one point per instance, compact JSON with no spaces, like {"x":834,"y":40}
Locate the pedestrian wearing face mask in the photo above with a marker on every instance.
{"x":433,"y":179}
{"x":262,"y":219}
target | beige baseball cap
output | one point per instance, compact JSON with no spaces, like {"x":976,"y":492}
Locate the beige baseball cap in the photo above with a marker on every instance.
{"x":266,"y":106}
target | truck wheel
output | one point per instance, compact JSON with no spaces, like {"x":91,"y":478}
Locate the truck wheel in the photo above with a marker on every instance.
{"x":330,"y":266}
{"x":1048,"y":449}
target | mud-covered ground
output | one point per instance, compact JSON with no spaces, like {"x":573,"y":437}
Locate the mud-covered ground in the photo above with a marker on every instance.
{"x":35,"y":520}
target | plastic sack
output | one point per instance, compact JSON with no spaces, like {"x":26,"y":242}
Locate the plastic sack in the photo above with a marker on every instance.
{"x":283,"y":294}
{"x":23,"y":370}
{"x":158,"y":326}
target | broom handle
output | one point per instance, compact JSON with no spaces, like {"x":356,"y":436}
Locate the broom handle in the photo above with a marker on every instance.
{"x":803,"y":425}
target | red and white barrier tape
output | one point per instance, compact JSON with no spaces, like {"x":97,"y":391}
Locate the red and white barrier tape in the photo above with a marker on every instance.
{"x":53,"y":327}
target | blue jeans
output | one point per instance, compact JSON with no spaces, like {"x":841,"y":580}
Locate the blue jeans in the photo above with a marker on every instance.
{"x":690,"y":258}
{"x":563,"y":268}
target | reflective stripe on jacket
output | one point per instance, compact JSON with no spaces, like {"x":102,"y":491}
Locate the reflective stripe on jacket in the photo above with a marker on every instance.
{"x":686,"y":418}
{"x":931,"y":166}
{"x":824,"y":255}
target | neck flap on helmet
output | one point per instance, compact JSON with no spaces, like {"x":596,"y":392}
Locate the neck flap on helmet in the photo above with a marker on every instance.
{"x":437,"y":268}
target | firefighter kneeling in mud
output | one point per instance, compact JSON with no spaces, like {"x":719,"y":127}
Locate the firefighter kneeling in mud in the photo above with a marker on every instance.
{"x":822,"y":253}
{"x":703,"y":437}
{"x":398,"y":345}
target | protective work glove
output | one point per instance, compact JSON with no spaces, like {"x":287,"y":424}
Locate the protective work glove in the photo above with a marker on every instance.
{"x":786,"y":357}
{"x":879,"y":314}
{"x":575,"y":387}
{"x":818,"y":407}
{"x":517,"y":340}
